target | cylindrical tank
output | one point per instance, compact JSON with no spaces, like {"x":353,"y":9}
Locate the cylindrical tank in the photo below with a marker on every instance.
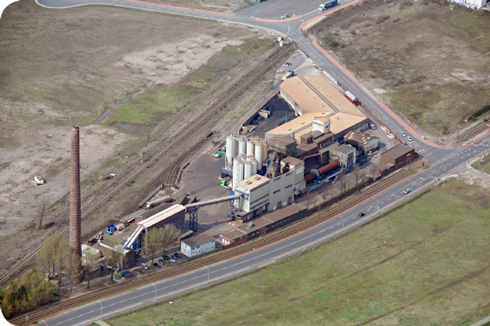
{"x":250,"y":148}
{"x":231,"y":149}
{"x":242,"y":146}
{"x":323,"y":170}
{"x":259,"y":155}
{"x":254,"y":163}
{"x":264,"y":152}
{"x":248,"y":170}
{"x":155,"y":202}
{"x":240,"y":170}
{"x":250,"y":158}
{"x":235,"y":173}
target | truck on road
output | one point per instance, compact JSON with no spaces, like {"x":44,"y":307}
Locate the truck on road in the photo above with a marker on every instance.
{"x":351,"y":97}
{"x":328,"y":4}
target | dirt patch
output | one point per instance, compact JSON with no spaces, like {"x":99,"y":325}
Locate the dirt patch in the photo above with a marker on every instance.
{"x":228,"y":6}
{"x":417,"y":54}
{"x":106,"y":61}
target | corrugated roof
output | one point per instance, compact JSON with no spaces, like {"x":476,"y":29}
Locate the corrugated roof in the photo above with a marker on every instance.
{"x":316,"y":94}
{"x":163,"y":215}
{"x":292,"y":161}
{"x":344,"y":149}
{"x":234,"y":234}
{"x":197,"y":240}
{"x":281,"y":213}
{"x":359,"y":137}
{"x":398,"y":151}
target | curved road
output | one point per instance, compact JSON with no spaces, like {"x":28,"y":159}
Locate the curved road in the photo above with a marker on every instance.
{"x":442,"y":162}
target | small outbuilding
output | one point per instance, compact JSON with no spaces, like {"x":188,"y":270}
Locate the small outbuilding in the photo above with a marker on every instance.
{"x":198,"y":245}
{"x":363,"y":142}
{"x":398,"y":156}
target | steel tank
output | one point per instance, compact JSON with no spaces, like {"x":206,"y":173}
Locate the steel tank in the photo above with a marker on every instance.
{"x":259,"y":155}
{"x":235,"y":173}
{"x":254,"y":163}
{"x":231,"y":149}
{"x":240,"y":170}
{"x":250,"y":148}
{"x":242,"y":146}
{"x":248,"y":170}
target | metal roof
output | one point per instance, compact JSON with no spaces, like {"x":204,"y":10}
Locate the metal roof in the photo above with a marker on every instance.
{"x":398,"y":151}
{"x":198,"y":240}
{"x":163,"y":215}
{"x":359,"y":137}
{"x":292,"y":161}
{"x":253,"y":182}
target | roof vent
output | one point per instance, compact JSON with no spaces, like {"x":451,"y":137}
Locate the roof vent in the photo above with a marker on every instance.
{"x":304,"y":90}
{"x":329,"y":95}
{"x":250,"y":224}
{"x":345,"y":110}
{"x":323,"y":113}
{"x":249,"y":182}
{"x":321,"y":87}
{"x":257,"y":178}
{"x":314,"y":117}
{"x":312,"y":80}
{"x":289,"y":129}
{"x":337,"y":103}
{"x":321,"y":105}
{"x":302,"y":123}
{"x":312,"y":98}
{"x":296,"y":83}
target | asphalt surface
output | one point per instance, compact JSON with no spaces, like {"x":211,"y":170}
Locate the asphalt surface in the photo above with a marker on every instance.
{"x":442,"y":162}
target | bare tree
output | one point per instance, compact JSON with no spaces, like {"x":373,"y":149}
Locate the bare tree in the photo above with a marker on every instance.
{"x":153,"y":242}
{"x":358,"y":175}
{"x":75,"y":260}
{"x":374,"y":168}
{"x":170,"y":235}
{"x":61,"y":260}
{"x":92,"y":264}
{"x":325,"y":194}
{"x":52,"y":254}
{"x":42,"y":208}
{"x":309,"y":199}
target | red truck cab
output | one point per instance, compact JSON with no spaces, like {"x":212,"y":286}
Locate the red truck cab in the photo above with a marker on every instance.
{"x":351,"y":97}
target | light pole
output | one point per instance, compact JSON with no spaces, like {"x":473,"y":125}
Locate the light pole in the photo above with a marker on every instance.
{"x":208,"y":272}
{"x":100,"y":307}
{"x":155,"y":290}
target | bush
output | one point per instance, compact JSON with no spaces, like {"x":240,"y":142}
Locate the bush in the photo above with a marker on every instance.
{"x":130,"y":182}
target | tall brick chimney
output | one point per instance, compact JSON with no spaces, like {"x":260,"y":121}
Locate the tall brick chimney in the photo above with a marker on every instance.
{"x":75,"y":202}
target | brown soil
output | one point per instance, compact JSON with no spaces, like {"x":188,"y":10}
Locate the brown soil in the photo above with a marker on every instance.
{"x":415,"y":56}
{"x":72,"y":77}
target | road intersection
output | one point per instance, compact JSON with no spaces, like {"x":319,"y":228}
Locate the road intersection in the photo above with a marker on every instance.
{"x":443,"y":162}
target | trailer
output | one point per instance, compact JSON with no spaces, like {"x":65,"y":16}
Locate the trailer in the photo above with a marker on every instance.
{"x":351,"y":97}
{"x":328,"y":4}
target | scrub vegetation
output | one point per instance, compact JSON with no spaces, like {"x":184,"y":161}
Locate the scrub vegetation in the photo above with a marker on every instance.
{"x":423,"y":263}
{"x":414,"y":55}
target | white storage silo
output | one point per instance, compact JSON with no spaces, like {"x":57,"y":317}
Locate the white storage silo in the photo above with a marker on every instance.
{"x":235,"y":173}
{"x":264,"y":152}
{"x":230,"y":149}
{"x":242,"y":146}
{"x":248,"y":170}
{"x":254,"y":163}
{"x":250,"y":148}
{"x":259,"y":155}
{"x":240,"y":170}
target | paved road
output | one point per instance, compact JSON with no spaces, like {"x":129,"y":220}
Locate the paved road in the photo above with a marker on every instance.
{"x":442,"y":162}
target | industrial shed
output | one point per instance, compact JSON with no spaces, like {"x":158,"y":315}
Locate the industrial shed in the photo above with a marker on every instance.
{"x":363,"y":142}
{"x":198,"y":245}
{"x":398,"y":156}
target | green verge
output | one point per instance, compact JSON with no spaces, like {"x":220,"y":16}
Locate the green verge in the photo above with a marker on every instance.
{"x":483,"y":166}
{"x":425,"y":263}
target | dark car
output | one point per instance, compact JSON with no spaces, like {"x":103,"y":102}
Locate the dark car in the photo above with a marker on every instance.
{"x":361,"y":214}
{"x":175,"y":256}
{"x":178,"y":255}
{"x":161,"y":262}
{"x":166,"y":257}
{"x":156,"y":265}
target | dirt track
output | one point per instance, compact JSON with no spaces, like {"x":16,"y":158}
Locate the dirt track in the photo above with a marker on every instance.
{"x":414,"y":56}
{"x":102,"y":55}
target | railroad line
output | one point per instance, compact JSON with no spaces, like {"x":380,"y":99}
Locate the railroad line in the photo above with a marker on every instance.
{"x":295,"y":228}
{"x":18,"y":268}
{"x":473,"y":132}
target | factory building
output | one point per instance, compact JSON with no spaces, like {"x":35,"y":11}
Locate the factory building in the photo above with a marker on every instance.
{"x":197,"y":246}
{"x":362,"y":142}
{"x":345,"y":154}
{"x":398,"y":156}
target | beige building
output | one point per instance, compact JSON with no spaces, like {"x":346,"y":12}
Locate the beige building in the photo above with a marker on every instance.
{"x":320,"y":107}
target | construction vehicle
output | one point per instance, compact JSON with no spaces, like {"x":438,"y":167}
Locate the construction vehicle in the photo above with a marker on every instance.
{"x":328,"y":4}
{"x":223,"y":184}
{"x":351,"y":97}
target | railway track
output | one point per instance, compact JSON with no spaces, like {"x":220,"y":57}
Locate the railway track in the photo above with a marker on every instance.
{"x":474,"y":131}
{"x":26,"y":262}
{"x":295,"y":228}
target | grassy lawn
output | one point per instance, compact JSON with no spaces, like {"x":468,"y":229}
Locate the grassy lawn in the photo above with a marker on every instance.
{"x":426,"y":263}
{"x":483,"y":166}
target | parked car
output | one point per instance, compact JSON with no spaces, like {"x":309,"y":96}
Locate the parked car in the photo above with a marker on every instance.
{"x":373,"y":126}
{"x":144,"y":266}
{"x":161,"y":262}
{"x":178,"y":255}
{"x":361,"y":214}
{"x":409,"y":138}
{"x":173,"y":261}
{"x":286,"y":64}
{"x":156,"y":265}
{"x":166,"y":257}
{"x":408,"y":190}
{"x":297,"y":52}
{"x":279,"y":70}
{"x":175,"y":256}
{"x":404,"y":134}
{"x":217,"y":155}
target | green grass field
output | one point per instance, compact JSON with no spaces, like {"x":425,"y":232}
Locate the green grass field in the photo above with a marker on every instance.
{"x":425,"y":263}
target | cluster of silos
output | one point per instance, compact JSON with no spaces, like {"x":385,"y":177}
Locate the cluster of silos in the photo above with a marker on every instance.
{"x":244,"y":166}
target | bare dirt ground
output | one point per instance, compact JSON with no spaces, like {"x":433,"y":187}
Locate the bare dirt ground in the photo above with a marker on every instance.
{"x":228,"y":6}
{"x":428,"y":62}
{"x":51,"y":80}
